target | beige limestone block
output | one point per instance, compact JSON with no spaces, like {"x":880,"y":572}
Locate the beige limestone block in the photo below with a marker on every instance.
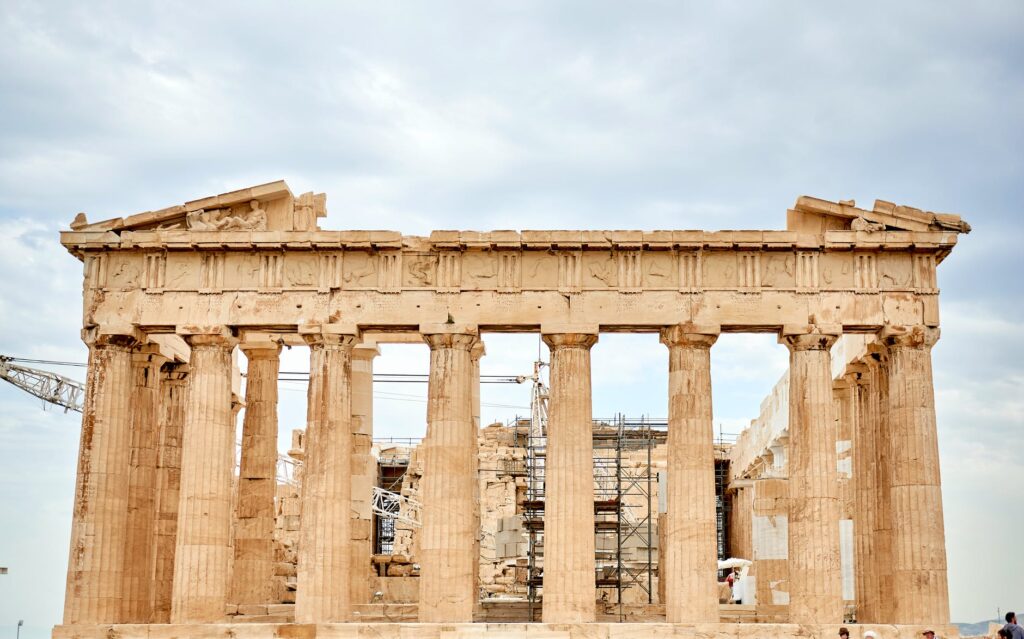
{"x":173,"y":393}
{"x":139,"y":533}
{"x":920,"y":590}
{"x":569,"y":578}
{"x":95,"y":584}
{"x":364,"y":470}
{"x":815,"y":582}
{"x":202,"y":560}
{"x":447,"y":544}
{"x":253,"y":567}
{"x":865,"y":501}
{"x":325,"y":556}
{"x":690,"y":551}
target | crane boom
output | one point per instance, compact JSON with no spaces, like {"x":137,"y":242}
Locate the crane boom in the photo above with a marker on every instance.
{"x":47,"y":386}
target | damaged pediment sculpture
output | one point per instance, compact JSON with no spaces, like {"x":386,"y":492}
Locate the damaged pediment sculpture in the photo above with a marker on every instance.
{"x":222,"y":220}
{"x":863,"y":224}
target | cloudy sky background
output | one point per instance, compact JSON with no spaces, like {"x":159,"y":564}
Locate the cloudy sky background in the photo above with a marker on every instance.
{"x":519,"y":115}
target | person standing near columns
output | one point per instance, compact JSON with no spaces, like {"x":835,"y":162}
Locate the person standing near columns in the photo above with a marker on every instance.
{"x":323,"y":594}
{"x":202,"y":558}
{"x":95,"y":583}
{"x":138,"y":558}
{"x":815,"y":580}
{"x":920,"y":590}
{"x":691,"y":553}
{"x":570,"y":592}
{"x":448,"y":563}
{"x":253,"y":571}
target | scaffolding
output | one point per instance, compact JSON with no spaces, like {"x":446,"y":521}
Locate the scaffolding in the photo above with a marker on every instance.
{"x":624,"y":509}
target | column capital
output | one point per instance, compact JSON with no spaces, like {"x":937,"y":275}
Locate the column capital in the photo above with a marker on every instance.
{"x":345,"y":335}
{"x":122,"y":335}
{"x":365,"y":351}
{"x":857,"y":372}
{"x":174,"y":372}
{"x":922,"y":337}
{"x":690,"y":335}
{"x":260,"y":349}
{"x":569,"y":335}
{"x":811,"y":337}
{"x":450,"y":335}
{"x":148,"y":353}
{"x":215,"y":335}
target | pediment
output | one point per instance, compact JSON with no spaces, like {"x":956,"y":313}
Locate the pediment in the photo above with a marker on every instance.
{"x":266,"y":207}
{"x":815,"y":215}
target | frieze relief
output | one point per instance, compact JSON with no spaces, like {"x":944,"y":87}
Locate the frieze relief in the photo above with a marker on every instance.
{"x":511,"y":271}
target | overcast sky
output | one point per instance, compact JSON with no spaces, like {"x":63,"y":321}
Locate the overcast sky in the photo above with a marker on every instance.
{"x":421,"y":116}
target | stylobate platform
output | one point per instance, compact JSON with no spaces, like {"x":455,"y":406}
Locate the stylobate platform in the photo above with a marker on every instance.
{"x":490,"y":631}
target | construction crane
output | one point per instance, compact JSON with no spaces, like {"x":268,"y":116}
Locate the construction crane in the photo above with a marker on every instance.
{"x":47,"y":386}
{"x":69,"y":393}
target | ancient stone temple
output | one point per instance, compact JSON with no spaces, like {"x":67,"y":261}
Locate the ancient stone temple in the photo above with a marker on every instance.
{"x":167,"y":536}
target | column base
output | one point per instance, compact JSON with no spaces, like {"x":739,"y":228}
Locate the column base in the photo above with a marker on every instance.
{"x":489,"y":631}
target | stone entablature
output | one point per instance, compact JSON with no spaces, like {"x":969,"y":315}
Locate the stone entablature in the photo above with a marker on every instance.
{"x":138,"y":270}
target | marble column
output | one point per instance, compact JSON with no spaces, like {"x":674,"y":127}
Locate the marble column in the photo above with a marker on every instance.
{"x":202,"y":558}
{"x":475,"y":355}
{"x":864,"y":500}
{"x":920,"y":590}
{"x":364,"y":472}
{"x":138,"y":557}
{"x":569,"y":594}
{"x":173,"y":393}
{"x":877,"y":412}
{"x":448,"y":565}
{"x":325,"y":555}
{"x":815,"y":579}
{"x":95,"y":583}
{"x":690,"y":551}
{"x":253,"y":571}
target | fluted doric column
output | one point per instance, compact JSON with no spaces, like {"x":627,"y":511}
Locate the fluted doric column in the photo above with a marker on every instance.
{"x":325,"y":556}
{"x":95,"y":584}
{"x":864,"y":498}
{"x":690,"y":552}
{"x":202,"y":560}
{"x":876,"y":406}
{"x":138,"y":558}
{"x":173,"y":392}
{"x":448,"y":565}
{"x":475,"y":355}
{"x":364,"y":472}
{"x":253,"y":571}
{"x":920,"y":590}
{"x":815,"y":579}
{"x":569,"y":571}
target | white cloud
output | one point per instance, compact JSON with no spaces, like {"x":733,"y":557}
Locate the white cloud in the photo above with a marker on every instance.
{"x":541,"y":115}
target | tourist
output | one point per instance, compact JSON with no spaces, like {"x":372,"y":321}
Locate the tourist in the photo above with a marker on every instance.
{"x":930,"y":634}
{"x":870,"y":634}
{"x":1005,"y":634}
{"x":1016,"y":632}
{"x":843,"y":632}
